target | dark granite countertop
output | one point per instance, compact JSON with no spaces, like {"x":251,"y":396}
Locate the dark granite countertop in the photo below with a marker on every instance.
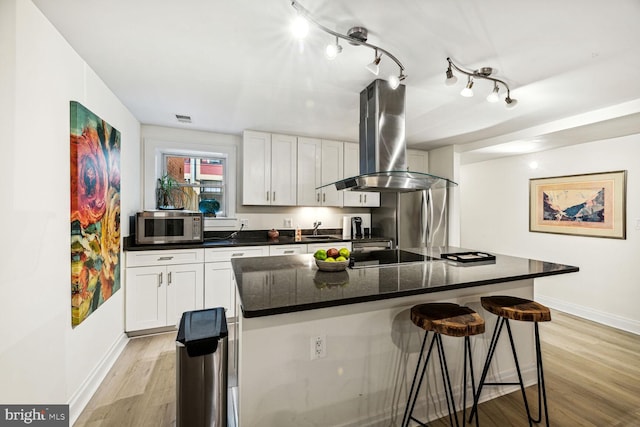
{"x":285,"y":284}
{"x":245,"y":238}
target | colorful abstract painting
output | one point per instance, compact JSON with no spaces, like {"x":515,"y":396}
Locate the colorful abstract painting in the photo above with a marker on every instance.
{"x":587,"y":205}
{"x":95,"y":212}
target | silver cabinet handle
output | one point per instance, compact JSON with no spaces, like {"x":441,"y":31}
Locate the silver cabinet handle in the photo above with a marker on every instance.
{"x":360,"y":197}
{"x":165,"y":258}
{"x":365,"y":198}
{"x":267,"y":196}
{"x":160,"y":279}
{"x":274,"y":196}
{"x":238,"y":254}
{"x":318,"y":197}
{"x":324,"y":197}
{"x":169,"y":279}
{"x":289,"y":251}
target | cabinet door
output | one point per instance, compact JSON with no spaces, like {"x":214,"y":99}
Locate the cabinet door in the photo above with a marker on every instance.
{"x":352,"y":168}
{"x":146,"y":297}
{"x":283,"y":170}
{"x":287,"y":250}
{"x":184,"y":290}
{"x":219,"y":287}
{"x":256,"y":168}
{"x":309,"y":171}
{"x":332,"y":171}
{"x":312,"y":247}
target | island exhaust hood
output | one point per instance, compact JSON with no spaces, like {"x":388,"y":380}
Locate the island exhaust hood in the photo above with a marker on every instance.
{"x":383,"y":153}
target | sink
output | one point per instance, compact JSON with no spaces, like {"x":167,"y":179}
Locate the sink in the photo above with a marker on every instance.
{"x":320,"y":237}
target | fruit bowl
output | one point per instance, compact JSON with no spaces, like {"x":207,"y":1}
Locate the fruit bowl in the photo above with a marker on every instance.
{"x":332,"y":266}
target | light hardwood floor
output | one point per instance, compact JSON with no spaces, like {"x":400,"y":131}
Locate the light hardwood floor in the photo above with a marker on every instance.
{"x":592,"y":374}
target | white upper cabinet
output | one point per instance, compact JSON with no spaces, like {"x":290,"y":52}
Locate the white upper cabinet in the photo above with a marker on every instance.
{"x":320,"y":162}
{"x":418,"y":161}
{"x":269,"y":169}
{"x":309,"y":171}
{"x":352,"y":168}
{"x":332,"y":171}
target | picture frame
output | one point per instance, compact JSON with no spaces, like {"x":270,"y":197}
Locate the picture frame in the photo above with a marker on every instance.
{"x":592,"y":205}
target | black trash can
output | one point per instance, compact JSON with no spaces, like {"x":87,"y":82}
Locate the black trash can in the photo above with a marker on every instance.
{"x":201,"y":369}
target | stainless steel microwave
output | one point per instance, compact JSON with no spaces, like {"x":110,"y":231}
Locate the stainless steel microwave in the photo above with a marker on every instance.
{"x":174,"y":226}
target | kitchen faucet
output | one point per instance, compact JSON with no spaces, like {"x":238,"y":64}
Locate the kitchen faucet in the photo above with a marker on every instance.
{"x":315,"y":227}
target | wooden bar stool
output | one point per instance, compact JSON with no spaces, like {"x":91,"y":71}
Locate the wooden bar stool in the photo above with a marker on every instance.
{"x":514,"y":308}
{"x":443,"y":319}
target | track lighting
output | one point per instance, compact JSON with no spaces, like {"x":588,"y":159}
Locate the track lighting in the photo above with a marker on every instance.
{"x":493,"y":96}
{"x":482,"y":73}
{"x":300,"y":27}
{"x":333,"y":49}
{"x":467,"y":92}
{"x":451,"y":78}
{"x":356,"y":36}
{"x":373,"y":66}
{"x":394,"y":81}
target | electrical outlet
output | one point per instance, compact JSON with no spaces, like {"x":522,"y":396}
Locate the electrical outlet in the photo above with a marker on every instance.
{"x":244,"y":222}
{"x":288,"y":223}
{"x":318,"y":347}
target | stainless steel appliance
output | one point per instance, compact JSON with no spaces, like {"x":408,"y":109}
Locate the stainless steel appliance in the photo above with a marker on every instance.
{"x":367,"y":245}
{"x":383,"y":162}
{"x":175,"y":226}
{"x":356,"y":227}
{"x":384,"y":258}
{"x":416,"y":219}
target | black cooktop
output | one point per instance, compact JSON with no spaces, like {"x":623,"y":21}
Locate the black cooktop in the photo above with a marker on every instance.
{"x":384,"y":257}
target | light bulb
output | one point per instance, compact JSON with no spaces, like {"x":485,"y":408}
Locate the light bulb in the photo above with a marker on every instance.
{"x":300,"y":27}
{"x":467,"y":92}
{"x":332,"y":51}
{"x":493,"y":96}
{"x":451,"y":78}
{"x":511,"y":103}
{"x":394,"y":82}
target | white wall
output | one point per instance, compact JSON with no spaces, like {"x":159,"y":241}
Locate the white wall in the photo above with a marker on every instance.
{"x":495,"y":215}
{"x":42,"y":359}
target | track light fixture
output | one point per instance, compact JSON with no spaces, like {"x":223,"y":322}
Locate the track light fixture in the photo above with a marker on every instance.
{"x":482,"y":73}
{"x":374,"y":66}
{"x":356,"y":36}
{"x":333,"y":49}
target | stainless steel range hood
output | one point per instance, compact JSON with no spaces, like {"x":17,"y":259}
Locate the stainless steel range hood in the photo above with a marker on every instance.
{"x":383,"y":153}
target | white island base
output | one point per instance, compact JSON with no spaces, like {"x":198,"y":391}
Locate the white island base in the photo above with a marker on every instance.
{"x":371,"y":355}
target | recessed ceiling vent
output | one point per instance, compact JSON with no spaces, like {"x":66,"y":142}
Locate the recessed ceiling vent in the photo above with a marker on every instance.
{"x":183,"y":119}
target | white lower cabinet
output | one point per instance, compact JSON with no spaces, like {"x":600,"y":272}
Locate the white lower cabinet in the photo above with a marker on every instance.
{"x":219,"y":282}
{"x":158,"y":291}
{"x":287,"y":249}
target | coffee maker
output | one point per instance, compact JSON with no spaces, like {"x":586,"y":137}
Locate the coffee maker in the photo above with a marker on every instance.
{"x":356,"y":227}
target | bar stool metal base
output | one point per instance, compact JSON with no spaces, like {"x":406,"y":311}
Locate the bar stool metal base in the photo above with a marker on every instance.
{"x":542,"y":395}
{"x":420,"y":373}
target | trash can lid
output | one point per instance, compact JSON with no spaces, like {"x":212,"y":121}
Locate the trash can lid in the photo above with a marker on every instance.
{"x":200,"y":330}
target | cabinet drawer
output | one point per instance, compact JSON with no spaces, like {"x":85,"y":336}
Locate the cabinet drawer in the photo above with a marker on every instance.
{"x":182,"y":256}
{"x":288,"y":250}
{"x":226,"y":254}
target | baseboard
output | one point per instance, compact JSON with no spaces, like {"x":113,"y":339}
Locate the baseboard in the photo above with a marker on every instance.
{"x":83,"y":394}
{"x":608,"y":319}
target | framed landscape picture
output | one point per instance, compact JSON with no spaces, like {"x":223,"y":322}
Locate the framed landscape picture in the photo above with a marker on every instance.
{"x":591,"y":205}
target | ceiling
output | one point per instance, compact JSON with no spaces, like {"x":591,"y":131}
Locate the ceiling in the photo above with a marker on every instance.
{"x":234,"y":65}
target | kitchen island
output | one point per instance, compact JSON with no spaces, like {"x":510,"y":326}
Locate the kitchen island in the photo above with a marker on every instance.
{"x":339,"y":349}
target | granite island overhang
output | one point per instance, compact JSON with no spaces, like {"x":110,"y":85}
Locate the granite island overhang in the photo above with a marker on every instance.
{"x":370,"y":344}
{"x":277,"y":285}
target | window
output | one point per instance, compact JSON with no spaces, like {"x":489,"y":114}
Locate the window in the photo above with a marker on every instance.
{"x":202,"y":179}
{"x":208,"y":147}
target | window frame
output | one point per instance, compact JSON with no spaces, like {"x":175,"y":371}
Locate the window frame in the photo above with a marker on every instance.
{"x":153,"y":151}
